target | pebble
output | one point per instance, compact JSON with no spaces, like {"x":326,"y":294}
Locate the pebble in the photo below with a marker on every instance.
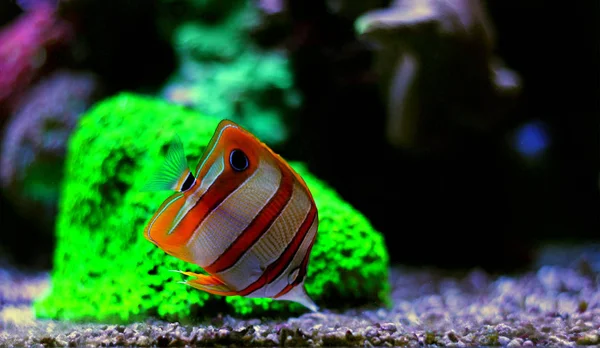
{"x":503,"y":340}
{"x":143,"y":341}
{"x":391,"y":327}
{"x":451,"y":335}
{"x":589,"y":339}
{"x":504,"y":330}
{"x":514,"y":343}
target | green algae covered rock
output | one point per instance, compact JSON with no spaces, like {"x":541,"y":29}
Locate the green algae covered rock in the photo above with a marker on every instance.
{"x":104,"y":268}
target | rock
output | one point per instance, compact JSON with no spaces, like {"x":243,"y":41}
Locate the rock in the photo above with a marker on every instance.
{"x":35,"y":140}
{"x":514,"y":343}
{"x":428,"y":52}
{"x":588,"y":339}
{"x":117,"y":144}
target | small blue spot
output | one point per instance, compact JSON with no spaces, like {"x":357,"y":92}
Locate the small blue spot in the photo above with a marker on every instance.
{"x":531,"y":139}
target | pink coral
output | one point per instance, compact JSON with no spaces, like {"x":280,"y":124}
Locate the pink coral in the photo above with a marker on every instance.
{"x":24,"y":46}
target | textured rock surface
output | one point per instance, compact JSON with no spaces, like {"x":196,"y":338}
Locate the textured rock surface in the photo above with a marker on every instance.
{"x":104,"y":269}
{"x":34,"y":141}
{"x":437,"y":66}
{"x":553,"y":305}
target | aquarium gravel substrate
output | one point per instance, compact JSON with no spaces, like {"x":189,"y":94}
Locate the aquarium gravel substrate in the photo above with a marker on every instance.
{"x":552,"y":305}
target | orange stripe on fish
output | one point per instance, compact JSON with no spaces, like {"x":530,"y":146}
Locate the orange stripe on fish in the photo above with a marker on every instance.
{"x":275,"y":269}
{"x":208,"y":202}
{"x":257,"y":227}
{"x":209,"y":284}
{"x":245,"y":216}
{"x":301,"y":273}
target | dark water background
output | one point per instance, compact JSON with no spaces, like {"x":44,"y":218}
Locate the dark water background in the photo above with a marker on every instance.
{"x":478,"y":203}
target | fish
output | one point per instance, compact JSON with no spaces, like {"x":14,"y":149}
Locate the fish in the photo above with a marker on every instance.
{"x":244,"y":215}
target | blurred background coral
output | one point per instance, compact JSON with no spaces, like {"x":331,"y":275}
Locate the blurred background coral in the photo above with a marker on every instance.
{"x":465,"y":131}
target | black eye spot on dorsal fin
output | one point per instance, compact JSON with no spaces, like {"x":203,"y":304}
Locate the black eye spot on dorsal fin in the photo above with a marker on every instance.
{"x":189,"y":181}
{"x":238,"y":160}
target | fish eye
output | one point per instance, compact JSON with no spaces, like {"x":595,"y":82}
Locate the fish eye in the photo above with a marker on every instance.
{"x":238,"y":160}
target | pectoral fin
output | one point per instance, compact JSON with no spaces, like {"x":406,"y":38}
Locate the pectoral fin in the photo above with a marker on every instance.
{"x":208,"y":283}
{"x":174,"y":174}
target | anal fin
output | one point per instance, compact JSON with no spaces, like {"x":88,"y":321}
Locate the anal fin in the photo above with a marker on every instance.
{"x":208,"y":283}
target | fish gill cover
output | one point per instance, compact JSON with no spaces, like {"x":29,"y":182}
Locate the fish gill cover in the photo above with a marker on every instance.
{"x":104,"y":269}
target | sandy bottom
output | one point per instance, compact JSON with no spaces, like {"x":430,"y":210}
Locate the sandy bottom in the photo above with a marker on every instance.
{"x":557,"y":303}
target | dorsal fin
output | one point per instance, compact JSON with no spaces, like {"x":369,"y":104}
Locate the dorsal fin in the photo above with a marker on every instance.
{"x":172,"y":172}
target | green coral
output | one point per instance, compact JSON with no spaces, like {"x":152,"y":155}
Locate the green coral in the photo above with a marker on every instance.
{"x":171,"y":13}
{"x":222,"y":72}
{"x":104,"y":268}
